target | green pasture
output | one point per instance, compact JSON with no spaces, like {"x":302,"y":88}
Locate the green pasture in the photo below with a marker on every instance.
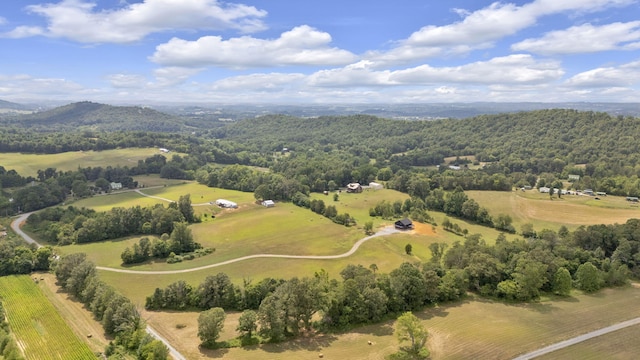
{"x":200,"y":193}
{"x":358,"y":204}
{"x":29,"y":164}
{"x":40,"y":331}
{"x":124,"y":199}
{"x":154,"y":180}
{"x":386,"y":252}
{"x":545,"y":213}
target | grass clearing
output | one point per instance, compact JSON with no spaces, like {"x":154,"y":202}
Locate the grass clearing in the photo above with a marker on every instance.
{"x":571,"y":210}
{"x":29,"y":164}
{"x":125,"y":199}
{"x":472,"y":329}
{"x":40,"y":331}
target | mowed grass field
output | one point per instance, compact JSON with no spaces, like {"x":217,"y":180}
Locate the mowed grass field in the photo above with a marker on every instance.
{"x":40,"y":331}
{"x":471,"y":329}
{"x":29,"y":164}
{"x":571,"y":210}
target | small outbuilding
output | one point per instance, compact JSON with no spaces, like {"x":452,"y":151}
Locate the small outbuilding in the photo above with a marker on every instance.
{"x":354,"y":188}
{"x":268,"y":203}
{"x":375,"y":186}
{"x":404,"y":224}
{"x":115,"y":186}
{"x":226,"y":204}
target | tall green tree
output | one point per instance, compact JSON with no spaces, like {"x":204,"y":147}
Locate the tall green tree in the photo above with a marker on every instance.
{"x":247,"y":322}
{"x":562,"y":282}
{"x":409,"y":328}
{"x":184,"y":205}
{"x":210,"y":324}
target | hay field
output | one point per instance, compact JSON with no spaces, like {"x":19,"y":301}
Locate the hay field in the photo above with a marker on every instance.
{"x":472,"y":329}
{"x":571,"y":210}
{"x":29,"y":164}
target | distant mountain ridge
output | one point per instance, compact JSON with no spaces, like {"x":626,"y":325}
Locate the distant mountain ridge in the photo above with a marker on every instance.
{"x":8,"y":105}
{"x":96,"y":116}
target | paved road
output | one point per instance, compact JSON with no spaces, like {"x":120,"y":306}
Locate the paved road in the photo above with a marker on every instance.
{"x":578,"y":339}
{"x":172,"y":351}
{"x":15,"y":225}
{"x":386,"y":231}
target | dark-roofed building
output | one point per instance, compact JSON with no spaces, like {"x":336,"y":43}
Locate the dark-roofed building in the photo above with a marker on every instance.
{"x":404,"y":224}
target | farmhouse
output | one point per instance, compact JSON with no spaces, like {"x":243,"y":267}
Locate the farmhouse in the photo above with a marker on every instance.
{"x":573,"y":178}
{"x":404,"y":224}
{"x":354,"y":188}
{"x":116,"y":186}
{"x":268,"y":203}
{"x":544,"y":189}
{"x":375,"y":186}
{"x":226,"y":204}
{"x":588,"y":192}
{"x":632,"y":199}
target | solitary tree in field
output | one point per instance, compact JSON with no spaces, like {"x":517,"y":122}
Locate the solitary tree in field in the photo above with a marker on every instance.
{"x":409,"y":328}
{"x":368,"y":227}
{"x":210,"y":325}
{"x":408,"y":249}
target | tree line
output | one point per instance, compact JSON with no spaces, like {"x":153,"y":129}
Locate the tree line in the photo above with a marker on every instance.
{"x":70,"y":225}
{"x":118,"y":315}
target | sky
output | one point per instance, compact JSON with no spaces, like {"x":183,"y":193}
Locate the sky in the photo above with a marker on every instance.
{"x":319,"y":52}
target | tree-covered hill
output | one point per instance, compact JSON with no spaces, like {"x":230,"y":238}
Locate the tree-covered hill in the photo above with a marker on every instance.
{"x":94,"y":116}
{"x":521,"y":141}
{"x":7,"y":105}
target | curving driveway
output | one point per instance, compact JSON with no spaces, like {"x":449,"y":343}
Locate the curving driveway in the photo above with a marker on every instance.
{"x":15,"y":226}
{"x":385,"y":231}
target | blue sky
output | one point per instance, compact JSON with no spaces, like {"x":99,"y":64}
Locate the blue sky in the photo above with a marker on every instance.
{"x":329,"y":51}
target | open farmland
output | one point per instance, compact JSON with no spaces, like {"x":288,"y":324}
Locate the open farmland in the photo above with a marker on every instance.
{"x":571,"y":210}
{"x":123,"y":199}
{"x":29,"y":164}
{"x":473,"y":329}
{"x":621,"y":344}
{"x":40,"y":330}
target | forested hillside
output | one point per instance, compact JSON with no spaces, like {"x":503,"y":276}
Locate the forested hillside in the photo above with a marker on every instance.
{"x":538,"y":141}
{"x":94,"y":116}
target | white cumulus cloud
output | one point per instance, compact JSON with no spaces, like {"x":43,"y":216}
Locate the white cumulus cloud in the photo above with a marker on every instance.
{"x":78,"y":20}
{"x":480,"y":29}
{"x":626,"y":75}
{"x":585,"y":38}
{"x":302,"y":45}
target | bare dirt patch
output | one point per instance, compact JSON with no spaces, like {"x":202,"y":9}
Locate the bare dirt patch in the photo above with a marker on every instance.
{"x":423,"y":229}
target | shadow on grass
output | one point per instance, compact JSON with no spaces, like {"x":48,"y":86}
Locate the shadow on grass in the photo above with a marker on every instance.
{"x":312,"y":342}
{"x":213,"y":353}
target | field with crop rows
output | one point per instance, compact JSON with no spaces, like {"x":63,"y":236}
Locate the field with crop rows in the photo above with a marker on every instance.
{"x":40,"y":331}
